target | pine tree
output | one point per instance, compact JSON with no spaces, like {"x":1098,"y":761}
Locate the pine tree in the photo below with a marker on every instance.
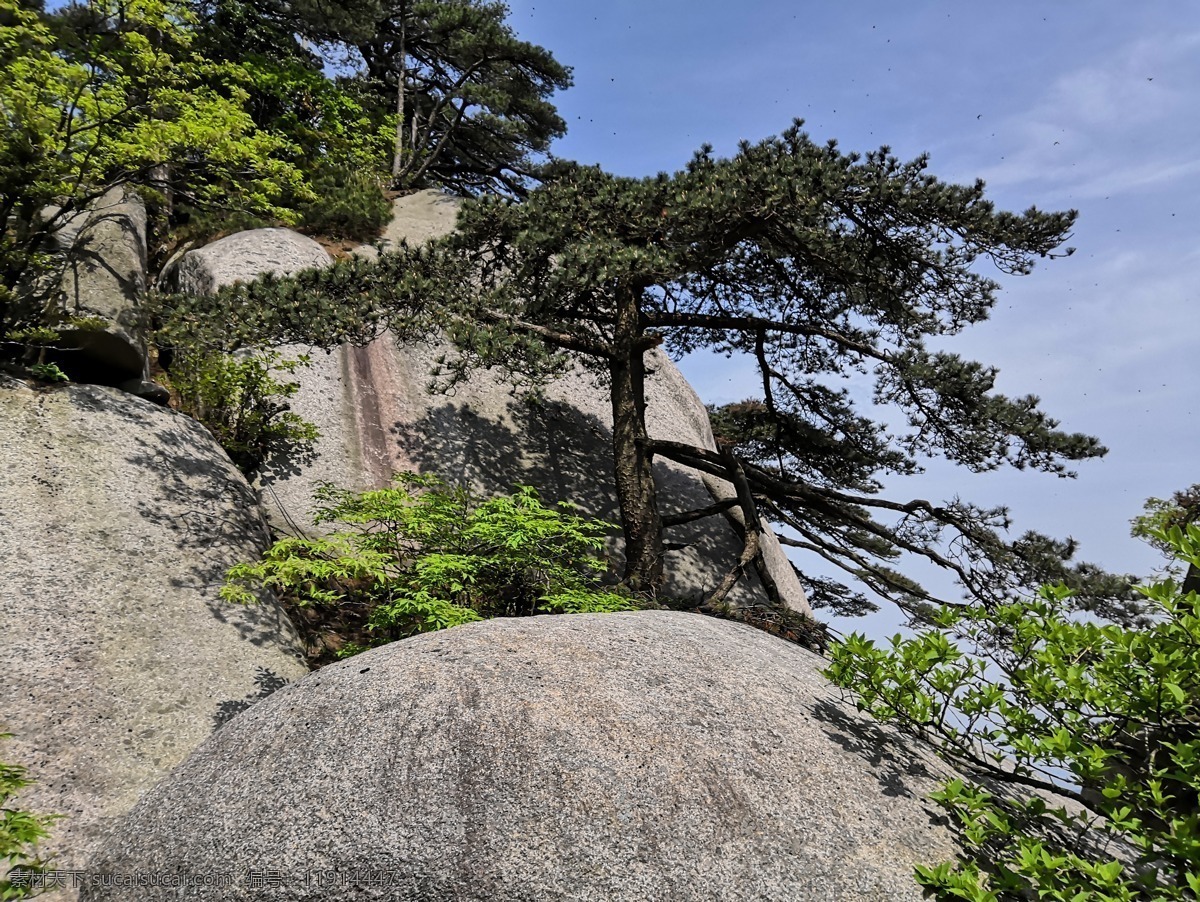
{"x":471,"y":99}
{"x":443,"y":89}
{"x":813,"y":263}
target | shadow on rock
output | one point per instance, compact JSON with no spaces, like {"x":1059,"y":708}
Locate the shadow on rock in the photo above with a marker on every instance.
{"x":891,"y":758}
{"x":203,"y":501}
{"x":567,"y":455}
{"x":266,"y":681}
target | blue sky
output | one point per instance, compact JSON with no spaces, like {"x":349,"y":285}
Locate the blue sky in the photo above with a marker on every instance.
{"x":1088,"y":105}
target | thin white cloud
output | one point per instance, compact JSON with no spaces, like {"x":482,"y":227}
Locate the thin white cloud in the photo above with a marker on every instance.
{"x":1110,"y":128}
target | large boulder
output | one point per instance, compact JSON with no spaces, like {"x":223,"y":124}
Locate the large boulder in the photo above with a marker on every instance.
{"x":654,"y":755}
{"x":288,"y":480}
{"x":103,"y":254}
{"x":118,"y":520}
{"x":378,"y":417}
{"x":242,"y":257}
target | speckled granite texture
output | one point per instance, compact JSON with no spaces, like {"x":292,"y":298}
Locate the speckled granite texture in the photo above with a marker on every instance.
{"x":620,"y":757}
{"x":118,"y":520}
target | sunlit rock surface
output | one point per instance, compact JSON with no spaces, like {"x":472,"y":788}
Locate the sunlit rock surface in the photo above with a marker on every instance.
{"x":118,"y":520}
{"x":619,"y":757}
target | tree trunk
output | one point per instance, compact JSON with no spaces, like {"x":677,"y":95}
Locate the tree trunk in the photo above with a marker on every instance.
{"x":751,"y":532}
{"x":1191,"y":582}
{"x":159,"y":224}
{"x":412,"y":132}
{"x":401,"y":75}
{"x":633,"y":462}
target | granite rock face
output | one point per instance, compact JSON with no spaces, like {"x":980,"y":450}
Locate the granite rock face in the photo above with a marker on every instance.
{"x":653,"y":755}
{"x":378,"y":417}
{"x":240,"y":258}
{"x":118,"y":520}
{"x":104,"y":277}
{"x":287,"y":481}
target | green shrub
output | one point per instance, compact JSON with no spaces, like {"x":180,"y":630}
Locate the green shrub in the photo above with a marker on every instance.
{"x":1105,"y":715}
{"x":242,"y":402}
{"x":422,"y":556}
{"x":47,"y":372}
{"x":349,"y":204}
{"x":19,"y":833}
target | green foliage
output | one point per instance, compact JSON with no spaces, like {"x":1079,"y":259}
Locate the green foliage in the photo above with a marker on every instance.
{"x":1030,"y":695}
{"x":47,"y":372}
{"x":101,"y":94}
{"x":34,"y":335}
{"x":812,"y":263}
{"x":321,"y":307}
{"x":325,"y":120}
{"x":242,"y":402}
{"x":1160,"y":515}
{"x":20,"y":831}
{"x":421,"y":556}
{"x":105,"y":103}
{"x":349,"y":203}
{"x":47,"y":336}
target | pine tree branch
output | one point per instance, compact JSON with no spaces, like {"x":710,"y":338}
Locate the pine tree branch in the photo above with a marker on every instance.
{"x":691,"y":516}
{"x":752,"y":528}
{"x":558,"y":339}
{"x":756,"y":323}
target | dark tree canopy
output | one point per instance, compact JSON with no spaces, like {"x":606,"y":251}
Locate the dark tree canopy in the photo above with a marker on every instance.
{"x":473,"y":99}
{"x":468,"y":102}
{"x":813,"y":263}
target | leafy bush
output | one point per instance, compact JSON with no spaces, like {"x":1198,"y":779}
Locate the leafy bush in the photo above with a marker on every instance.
{"x":19,"y":833}
{"x":242,"y":402}
{"x":349,"y":204}
{"x":422,"y":556}
{"x":1104,"y":715}
{"x":48,"y":372}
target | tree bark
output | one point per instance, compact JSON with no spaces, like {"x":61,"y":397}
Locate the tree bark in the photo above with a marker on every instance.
{"x":751,"y":533}
{"x":633,"y":461}
{"x":401,"y":75}
{"x":1191,"y":582}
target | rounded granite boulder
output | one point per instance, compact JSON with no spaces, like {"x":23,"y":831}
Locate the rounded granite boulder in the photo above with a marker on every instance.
{"x":646,"y":756}
{"x":242,"y":257}
{"x":118,"y":520}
